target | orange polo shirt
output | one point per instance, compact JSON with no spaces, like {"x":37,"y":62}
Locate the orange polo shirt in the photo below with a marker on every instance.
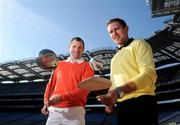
{"x":64,"y":82}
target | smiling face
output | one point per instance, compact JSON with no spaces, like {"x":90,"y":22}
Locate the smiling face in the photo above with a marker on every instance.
{"x":118,"y":33}
{"x":76,"y":49}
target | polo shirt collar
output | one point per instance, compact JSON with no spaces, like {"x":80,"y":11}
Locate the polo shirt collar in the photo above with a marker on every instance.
{"x":71,"y":60}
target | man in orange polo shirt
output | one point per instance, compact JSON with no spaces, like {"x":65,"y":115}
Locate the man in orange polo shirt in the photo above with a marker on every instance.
{"x":63,"y":101}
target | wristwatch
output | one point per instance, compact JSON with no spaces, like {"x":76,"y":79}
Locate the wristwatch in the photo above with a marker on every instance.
{"x":119,"y":92}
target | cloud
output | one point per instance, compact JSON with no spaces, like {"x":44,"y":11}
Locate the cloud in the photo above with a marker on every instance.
{"x":21,"y":25}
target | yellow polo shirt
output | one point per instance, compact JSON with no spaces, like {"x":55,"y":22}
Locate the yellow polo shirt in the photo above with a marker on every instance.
{"x":134,"y":63}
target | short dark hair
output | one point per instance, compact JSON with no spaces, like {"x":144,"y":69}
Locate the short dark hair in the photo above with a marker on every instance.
{"x":120,"y":21}
{"x":78,"y":39}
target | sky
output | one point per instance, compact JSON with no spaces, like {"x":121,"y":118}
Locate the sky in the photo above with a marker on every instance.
{"x":28,"y":26}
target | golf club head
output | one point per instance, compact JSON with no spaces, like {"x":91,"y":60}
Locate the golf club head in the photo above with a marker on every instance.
{"x":47,"y":59}
{"x":95,"y":84}
{"x":96,"y":64}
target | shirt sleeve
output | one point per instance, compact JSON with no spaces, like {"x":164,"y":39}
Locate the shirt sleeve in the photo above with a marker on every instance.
{"x":144,"y":59}
{"x":50,"y":87}
{"x":79,"y":93}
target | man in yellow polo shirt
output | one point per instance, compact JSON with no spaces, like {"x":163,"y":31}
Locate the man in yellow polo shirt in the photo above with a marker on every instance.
{"x":133,"y":78}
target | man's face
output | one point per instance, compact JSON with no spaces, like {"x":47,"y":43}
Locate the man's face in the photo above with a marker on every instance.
{"x":76,"y":49}
{"x":117,"y":33}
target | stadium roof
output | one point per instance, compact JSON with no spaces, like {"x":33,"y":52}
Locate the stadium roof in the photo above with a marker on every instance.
{"x":28,"y":70}
{"x":165,"y":44}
